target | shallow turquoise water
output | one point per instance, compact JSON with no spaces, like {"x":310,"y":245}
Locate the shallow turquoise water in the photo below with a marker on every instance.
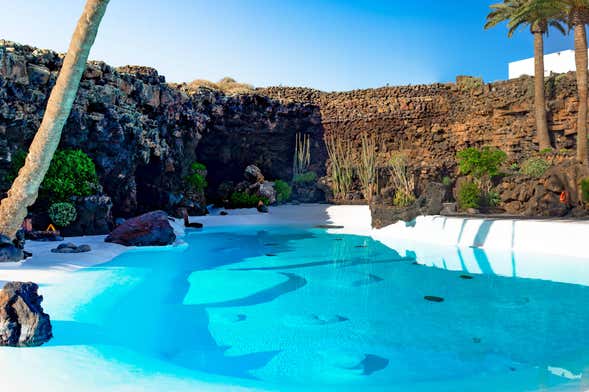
{"x":287,"y":308}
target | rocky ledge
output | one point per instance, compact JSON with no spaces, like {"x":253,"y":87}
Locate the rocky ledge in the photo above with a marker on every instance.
{"x":153,"y":228}
{"x":22,"y":320}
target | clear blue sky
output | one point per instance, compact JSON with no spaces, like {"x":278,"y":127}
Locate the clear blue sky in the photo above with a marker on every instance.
{"x":325,"y":44}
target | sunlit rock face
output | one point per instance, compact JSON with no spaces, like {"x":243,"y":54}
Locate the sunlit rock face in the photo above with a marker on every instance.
{"x":143,"y":134}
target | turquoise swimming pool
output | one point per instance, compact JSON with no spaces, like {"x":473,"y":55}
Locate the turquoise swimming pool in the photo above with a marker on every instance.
{"x":282,"y":308}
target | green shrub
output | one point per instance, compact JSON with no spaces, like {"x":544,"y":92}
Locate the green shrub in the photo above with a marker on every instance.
{"x":481,"y":162}
{"x":469,"y":195}
{"x":18,"y":161}
{"x":403,"y":199}
{"x":469,"y":82}
{"x":535,"y":167}
{"x":305,"y":178}
{"x":196,"y":180}
{"x":447,"y":181}
{"x":514,"y":167}
{"x":283,"y":191}
{"x":62,"y":214}
{"x":585,"y":189}
{"x":545,"y":151}
{"x":245,"y":200}
{"x":492,"y":199}
{"x":71,"y":173}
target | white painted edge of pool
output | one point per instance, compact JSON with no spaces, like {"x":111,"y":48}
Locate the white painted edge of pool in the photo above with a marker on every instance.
{"x":556,"y":237}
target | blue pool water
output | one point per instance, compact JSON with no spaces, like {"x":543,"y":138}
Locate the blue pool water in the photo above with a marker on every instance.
{"x":300,"y":309}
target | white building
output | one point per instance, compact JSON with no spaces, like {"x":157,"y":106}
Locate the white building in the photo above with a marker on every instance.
{"x":559,"y":62}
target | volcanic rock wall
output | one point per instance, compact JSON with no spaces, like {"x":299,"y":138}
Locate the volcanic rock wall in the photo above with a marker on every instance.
{"x":432,"y":122}
{"x":143,"y":134}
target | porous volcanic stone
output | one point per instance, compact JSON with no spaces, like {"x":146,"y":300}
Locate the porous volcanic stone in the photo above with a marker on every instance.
{"x":152,"y":228}
{"x":22,"y":320}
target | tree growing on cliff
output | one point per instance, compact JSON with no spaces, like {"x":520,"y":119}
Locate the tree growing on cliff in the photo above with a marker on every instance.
{"x":25,"y":187}
{"x":539,"y":16}
{"x":576,"y":15}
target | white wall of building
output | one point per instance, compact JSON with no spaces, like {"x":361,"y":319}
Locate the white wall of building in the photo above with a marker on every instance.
{"x":559,"y":62}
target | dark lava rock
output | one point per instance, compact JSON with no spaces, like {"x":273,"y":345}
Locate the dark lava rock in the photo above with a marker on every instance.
{"x":152,"y":228}
{"x":223,"y":213}
{"x":71,"y":248}
{"x":43,"y":236}
{"x":433,"y":298}
{"x":263,"y":208}
{"x":329,"y":227}
{"x":8,"y":251}
{"x":22,"y":321}
{"x":253,"y":174}
{"x":94,"y":216}
{"x":429,"y":203}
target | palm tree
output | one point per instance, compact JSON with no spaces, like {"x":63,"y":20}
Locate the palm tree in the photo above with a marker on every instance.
{"x":539,"y":15}
{"x":577,"y":16}
{"x":23,"y":192}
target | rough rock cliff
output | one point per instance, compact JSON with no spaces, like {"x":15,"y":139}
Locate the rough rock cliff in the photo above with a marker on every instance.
{"x":143,"y":133}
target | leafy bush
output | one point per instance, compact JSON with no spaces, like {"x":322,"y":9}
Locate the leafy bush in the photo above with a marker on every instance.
{"x":402,"y":199}
{"x":492,"y":199}
{"x":469,"y":82}
{"x":305,"y":178}
{"x":245,"y":200}
{"x":62,"y":214}
{"x":535,"y":167}
{"x":227,"y":85}
{"x":447,"y":181}
{"x":481,"y":162}
{"x":197,"y":177}
{"x":585,"y":189}
{"x":283,"y":191}
{"x":71,"y":173}
{"x":18,"y":161}
{"x":469,"y":195}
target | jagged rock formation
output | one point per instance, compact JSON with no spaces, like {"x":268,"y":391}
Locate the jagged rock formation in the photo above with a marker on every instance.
{"x":22,"y":320}
{"x":432,"y":122}
{"x":143,"y":134}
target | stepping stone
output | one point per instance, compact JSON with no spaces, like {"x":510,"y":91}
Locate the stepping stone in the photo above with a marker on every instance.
{"x":466,"y":277}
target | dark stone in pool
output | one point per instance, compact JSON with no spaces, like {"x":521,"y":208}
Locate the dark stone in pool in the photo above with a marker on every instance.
{"x":466,"y":277}
{"x":223,"y":213}
{"x":22,"y":320}
{"x":270,"y":254}
{"x":361,"y":246}
{"x":476,"y":340}
{"x":338,"y":239}
{"x":329,"y":227}
{"x":433,"y":298}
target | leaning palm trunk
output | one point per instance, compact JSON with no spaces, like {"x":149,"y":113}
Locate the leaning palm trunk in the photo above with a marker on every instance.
{"x":539,"y":98}
{"x":581,"y":65}
{"x":23,"y":192}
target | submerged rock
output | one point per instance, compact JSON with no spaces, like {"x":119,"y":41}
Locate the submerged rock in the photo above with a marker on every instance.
{"x":22,"y":320}
{"x":152,"y":228}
